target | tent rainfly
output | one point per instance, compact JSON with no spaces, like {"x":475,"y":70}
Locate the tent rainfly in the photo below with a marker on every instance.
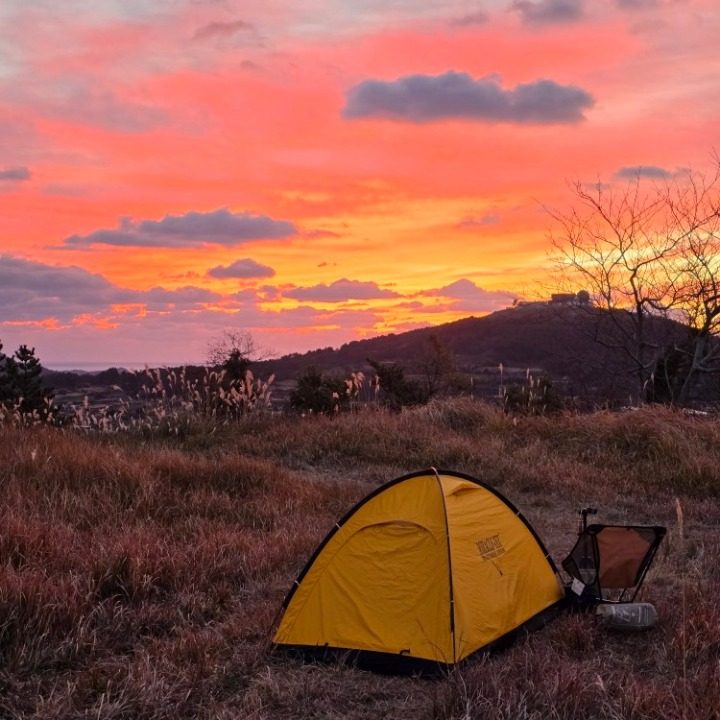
{"x":425,"y":571}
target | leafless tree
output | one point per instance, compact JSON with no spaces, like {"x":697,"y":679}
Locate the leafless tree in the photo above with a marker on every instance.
{"x":695,"y":207}
{"x":646,"y":253}
{"x":234,"y":350}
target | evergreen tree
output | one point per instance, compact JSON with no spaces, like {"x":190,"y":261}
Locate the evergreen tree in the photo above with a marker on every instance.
{"x":7,"y":373}
{"x":26,"y":379}
{"x":236,"y":365}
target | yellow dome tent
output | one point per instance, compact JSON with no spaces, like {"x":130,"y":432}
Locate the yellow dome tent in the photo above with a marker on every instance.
{"x":425,"y":571}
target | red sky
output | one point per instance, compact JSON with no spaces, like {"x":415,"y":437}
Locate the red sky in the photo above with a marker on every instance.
{"x":317,"y":171}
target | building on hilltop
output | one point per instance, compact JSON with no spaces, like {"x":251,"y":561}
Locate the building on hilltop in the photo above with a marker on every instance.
{"x":563,"y":299}
{"x":581,"y":297}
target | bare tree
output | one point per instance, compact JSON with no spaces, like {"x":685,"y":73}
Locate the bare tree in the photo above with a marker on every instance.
{"x":234,"y":351}
{"x":695,"y":207}
{"x":436,"y":362}
{"x":646,"y":254}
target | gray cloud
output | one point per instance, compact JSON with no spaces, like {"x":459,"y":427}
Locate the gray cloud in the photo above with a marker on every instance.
{"x":475,"y":18}
{"x":320,"y":233}
{"x":88,"y":100}
{"x":341,"y":290}
{"x":547,"y":12}
{"x":222,"y":29}
{"x":159,"y":298}
{"x":82,"y":101}
{"x":454,"y":95}
{"x":253,"y":295}
{"x":471,"y":297}
{"x":192,"y":230}
{"x":307,"y":317}
{"x":66,"y":190}
{"x":631,"y":172}
{"x":103,"y":108}
{"x":244,"y":269}
{"x":473,"y":223}
{"x":35,"y":291}
{"x":635,"y":4}
{"x":14,"y":174}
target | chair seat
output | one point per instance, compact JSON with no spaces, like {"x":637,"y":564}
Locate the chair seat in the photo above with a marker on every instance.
{"x":613,"y":559}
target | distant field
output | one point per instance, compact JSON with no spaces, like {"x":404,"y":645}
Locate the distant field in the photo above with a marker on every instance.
{"x":140,"y":574}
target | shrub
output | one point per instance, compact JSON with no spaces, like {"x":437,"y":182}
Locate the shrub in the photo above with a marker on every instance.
{"x":536,"y":397}
{"x":396,"y":391}
{"x":318,"y":392}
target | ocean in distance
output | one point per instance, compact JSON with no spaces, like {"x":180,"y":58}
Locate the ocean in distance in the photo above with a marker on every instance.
{"x":93,"y":367}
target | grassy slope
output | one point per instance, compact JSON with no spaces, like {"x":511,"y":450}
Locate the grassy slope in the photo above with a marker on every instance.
{"x":140,"y":579}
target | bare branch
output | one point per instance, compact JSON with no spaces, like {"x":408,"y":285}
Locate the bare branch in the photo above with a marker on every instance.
{"x":646,"y":254}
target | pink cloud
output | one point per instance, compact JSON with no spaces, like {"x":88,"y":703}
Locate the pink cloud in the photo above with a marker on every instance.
{"x":470,"y":297}
{"x":341,"y":290}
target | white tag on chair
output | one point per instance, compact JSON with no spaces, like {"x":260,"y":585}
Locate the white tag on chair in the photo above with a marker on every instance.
{"x":577,"y":586}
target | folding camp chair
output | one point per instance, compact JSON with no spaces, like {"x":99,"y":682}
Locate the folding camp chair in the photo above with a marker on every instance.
{"x":609,"y":562}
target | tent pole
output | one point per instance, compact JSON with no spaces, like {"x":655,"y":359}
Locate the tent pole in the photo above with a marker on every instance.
{"x":449,"y":557}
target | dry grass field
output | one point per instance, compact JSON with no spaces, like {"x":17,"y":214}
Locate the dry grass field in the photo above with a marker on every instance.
{"x":140,"y":574}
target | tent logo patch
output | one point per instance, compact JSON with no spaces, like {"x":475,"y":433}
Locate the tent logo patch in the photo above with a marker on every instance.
{"x":490,"y":547}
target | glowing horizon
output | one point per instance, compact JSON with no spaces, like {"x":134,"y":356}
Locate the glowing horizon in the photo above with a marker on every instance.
{"x":319,"y":171}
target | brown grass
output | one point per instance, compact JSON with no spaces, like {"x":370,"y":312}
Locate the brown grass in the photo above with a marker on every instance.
{"x":140,"y":574}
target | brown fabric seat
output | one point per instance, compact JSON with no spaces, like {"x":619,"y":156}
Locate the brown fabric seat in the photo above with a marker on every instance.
{"x":612,"y":560}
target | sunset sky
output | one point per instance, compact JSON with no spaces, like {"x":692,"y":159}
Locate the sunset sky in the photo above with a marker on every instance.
{"x":315,"y":171}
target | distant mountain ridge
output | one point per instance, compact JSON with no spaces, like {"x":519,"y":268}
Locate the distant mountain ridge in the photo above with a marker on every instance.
{"x":554,"y":339}
{"x":559,"y":340}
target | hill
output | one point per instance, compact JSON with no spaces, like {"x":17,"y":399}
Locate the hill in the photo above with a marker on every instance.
{"x":570,"y":343}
